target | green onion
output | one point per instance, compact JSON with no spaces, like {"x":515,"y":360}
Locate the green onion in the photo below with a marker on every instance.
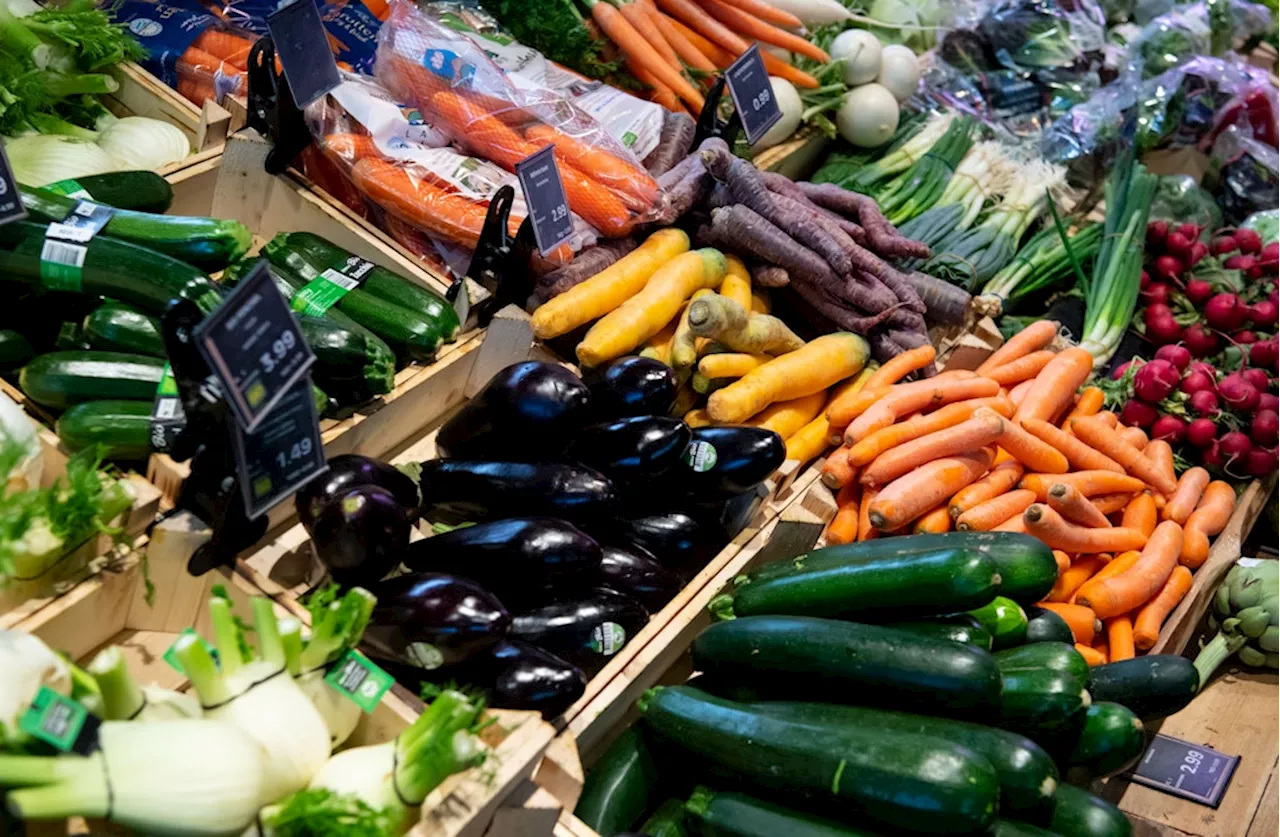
{"x":1043,"y":262}
{"x":900,"y":159}
{"x":982,"y":174}
{"x":920,"y":186}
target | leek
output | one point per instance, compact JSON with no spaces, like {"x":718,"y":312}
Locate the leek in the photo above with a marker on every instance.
{"x":124,"y":700}
{"x":336,"y":627}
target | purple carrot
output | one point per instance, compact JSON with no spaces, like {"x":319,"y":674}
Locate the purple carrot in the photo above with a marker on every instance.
{"x":690,"y":189}
{"x":744,"y":231}
{"x":903,"y":289}
{"x":883,"y":236}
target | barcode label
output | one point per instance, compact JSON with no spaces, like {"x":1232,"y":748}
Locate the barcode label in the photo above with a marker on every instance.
{"x":341,"y":279}
{"x":60,"y":252}
{"x":167,"y":408}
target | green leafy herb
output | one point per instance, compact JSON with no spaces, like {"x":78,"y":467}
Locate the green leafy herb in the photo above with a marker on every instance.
{"x":557,"y":30}
{"x":322,"y":813}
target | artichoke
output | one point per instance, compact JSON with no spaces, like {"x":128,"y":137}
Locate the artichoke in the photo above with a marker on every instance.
{"x":1246,"y":615}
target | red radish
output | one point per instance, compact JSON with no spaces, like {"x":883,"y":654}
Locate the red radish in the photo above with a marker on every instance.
{"x":1202,"y":432}
{"x":1156,"y":293}
{"x":1271,"y":253}
{"x":1197,"y":380}
{"x":1168,"y":267}
{"x":1118,"y":372}
{"x":1144,"y":280}
{"x":1207,"y":368}
{"x":1257,"y":378}
{"x":1240,"y":263}
{"x":1263,"y":354}
{"x":1155,"y":380}
{"x":1254,"y":272}
{"x":1224,"y":312}
{"x":1198,"y":291}
{"x":1238,"y":393}
{"x":1138,"y":413}
{"x":1179,"y":356}
{"x":1265,"y":428}
{"x":1268,"y":401}
{"x":1178,"y":244}
{"x":1161,"y":327}
{"x":1198,"y":251}
{"x":1212,"y":456}
{"x":1249,"y":241}
{"x":1199,"y":339}
{"x":1190,"y":230}
{"x":1261,"y":462}
{"x":1244,"y":337}
{"x":1223,"y":244}
{"x":1170,"y":428}
{"x":1204,"y":402}
{"x":1263,"y":313}
{"x":1234,"y":445}
{"x":1157,"y":230}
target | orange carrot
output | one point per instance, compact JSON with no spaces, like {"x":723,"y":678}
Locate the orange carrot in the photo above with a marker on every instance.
{"x":1090,"y":402}
{"x":1062,"y":559}
{"x":1056,"y":384}
{"x":1146,"y":627}
{"x":1013,"y":524}
{"x":685,"y":49}
{"x":1023,"y":369}
{"x":1140,"y":514}
{"x":843,"y":410}
{"x":1082,"y":621}
{"x":1115,"y":566}
{"x":1209,"y":518}
{"x":1130,"y":589}
{"x":969,"y":435}
{"x":1038,"y":456}
{"x":1020,"y":391}
{"x":888,"y":438}
{"x":915,"y":493}
{"x":1032,"y":338}
{"x":1108,"y":418}
{"x":900,"y":366}
{"x":1067,"y":501}
{"x":631,"y":42}
{"x":910,"y":398}
{"x":696,"y":18}
{"x":986,"y":516}
{"x":1103,"y":439}
{"x":722,"y":46}
{"x":865,"y":530}
{"x":1133,"y":435}
{"x":1092,"y":655}
{"x":1083,"y":569}
{"x":1088,"y":483}
{"x":658,"y":91}
{"x":1047,"y":525}
{"x":752,"y":27}
{"x":768,"y":13}
{"x":1080,"y":456}
{"x":844,"y":526}
{"x":634,"y":12}
{"x":1112,"y":504}
{"x":1160,"y":453}
{"x":418,"y":201}
{"x":777,"y":67}
{"x":625,"y":179}
{"x":1120,"y":636}
{"x":716,"y":54}
{"x":999,"y":480}
{"x":935,"y":522}
{"x":1187,"y":495}
{"x":837,"y":472}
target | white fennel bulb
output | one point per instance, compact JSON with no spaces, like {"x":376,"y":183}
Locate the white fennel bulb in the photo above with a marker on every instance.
{"x":138,"y":143}
{"x":340,"y":713}
{"x":336,"y":627}
{"x":124,"y":700}
{"x":41,"y":159}
{"x":17,"y":428}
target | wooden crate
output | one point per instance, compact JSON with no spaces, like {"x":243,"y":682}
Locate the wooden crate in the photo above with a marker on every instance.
{"x":111,"y":609}
{"x":142,"y":94}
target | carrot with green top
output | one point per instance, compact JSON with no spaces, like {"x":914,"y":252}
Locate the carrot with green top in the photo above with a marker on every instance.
{"x":750,"y":26}
{"x":634,"y":12}
{"x":684,"y":48}
{"x":768,"y":13}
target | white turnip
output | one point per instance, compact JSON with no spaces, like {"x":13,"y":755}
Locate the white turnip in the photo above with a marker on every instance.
{"x":1248,"y":240}
{"x":1197,"y":380}
{"x":1238,"y":393}
{"x":1156,"y":380}
{"x":1179,"y":356}
{"x":1137,"y":413}
{"x":1198,"y":291}
{"x":1200,"y":340}
{"x":1224,"y":312}
{"x":1265,"y":428}
{"x":1204,"y":403}
{"x":1202,"y":432}
{"x":1169,"y":428}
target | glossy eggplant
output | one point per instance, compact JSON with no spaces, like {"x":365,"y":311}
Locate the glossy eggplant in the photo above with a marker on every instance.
{"x":431,"y":620}
{"x":722,"y":461}
{"x":522,"y":676}
{"x":633,"y":571}
{"x":528,"y":410}
{"x":482,"y":489}
{"x":350,"y":470}
{"x":360,"y":535}
{"x":633,"y":386}
{"x":515,"y":553}
{"x":674,"y":539}
{"x":633,"y":450}
{"x":724,"y":519}
{"x":584,"y":630}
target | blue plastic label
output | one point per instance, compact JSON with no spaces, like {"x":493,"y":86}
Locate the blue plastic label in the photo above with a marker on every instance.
{"x":352,"y":28}
{"x":166,"y":29}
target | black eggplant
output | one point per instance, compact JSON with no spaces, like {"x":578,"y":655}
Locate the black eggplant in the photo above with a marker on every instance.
{"x":481,"y":488}
{"x":430,"y":620}
{"x":529,"y":410}
{"x":361,"y":534}
{"x":585,"y":630}
{"x":633,"y":386}
{"x":723,"y":461}
{"x":632,"y":571}
{"x":349,"y":470}
{"x":722,"y":520}
{"x":674,"y":538}
{"x":522,"y":676}
{"x":512,"y":554}
{"x":632,"y":450}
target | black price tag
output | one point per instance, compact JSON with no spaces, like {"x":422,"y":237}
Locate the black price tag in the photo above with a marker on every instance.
{"x":11,"y":208}
{"x":302,"y":45}
{"x":284,"y":452}
{"x":253,"y":345}
{"x":1181,"y":768}
{"x":752,"y":94}
{"x":544,"y":195}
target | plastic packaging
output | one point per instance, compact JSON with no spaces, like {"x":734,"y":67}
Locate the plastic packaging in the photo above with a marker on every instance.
{"x":1244,"y":174}
{"x":352,"y":26}
{"x":1204,"y":29}
{"x":1180,"y":199}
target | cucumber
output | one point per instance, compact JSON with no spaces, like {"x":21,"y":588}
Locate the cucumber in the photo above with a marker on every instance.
{"x":15,"y":349}
{"x":1078,"y":813}
{"x":1047,"y":626}
{"x":142,"y":191}
{"x":1027,"y":773}
{"x":1005,"y":620}
{"x":1153,"y":687}
{"x":1040,"y":702}
{"x":112,"y":268}
{"x":60,"y":379}
{"x":207,"y":243}
{"x":791,"y":656}
{"x":898,"y":779}
{"x":852,"y":580}
{"x":1052,"y":656}
{"x":1009,"y":828}
{"x":118,"y":328}
{"x":959,"y":627}
{"x":121,"y":427}
{"x":621,"y":786}
{"x":1111,"y":740}
{"x":729,"y":814}
{"x":667,"y":821}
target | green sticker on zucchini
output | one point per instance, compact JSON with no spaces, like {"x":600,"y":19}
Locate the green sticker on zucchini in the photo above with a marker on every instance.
{"x":61,"y":265}
{"x":327,"y":289}
{"x":167,"y":416}
{"x":69,"y":188}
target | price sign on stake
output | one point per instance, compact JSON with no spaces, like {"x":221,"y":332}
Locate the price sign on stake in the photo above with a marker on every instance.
{"x":544,"y":195}
{"x":254,"y":346}
{"x":302,"y":46}
{"x":752,"y":94}
{"x":11,"y":208}
{"x":1181,"y":768}
{"x":282,"y":453}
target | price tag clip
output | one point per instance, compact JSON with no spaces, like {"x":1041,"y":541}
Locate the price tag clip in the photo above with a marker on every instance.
{"x":709,"y":122}
{"x":272,"y":111}
{"x":500,"y":264}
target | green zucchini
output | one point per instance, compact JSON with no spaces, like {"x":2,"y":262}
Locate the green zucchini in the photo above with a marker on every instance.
{"x":1028,"y":775}
{"x":621,"y":786}
{"x":1005,"y":620}
{"x":1054,"y":656}
{"x":1010,"y":828}
{"x":1047,"y":626}
{"x":1153,"y":687}
{"x":1078,"y":813}
{"x":208,"y":243}
{"x":789,"y":656}
{"x":1040,"y":702}
{"x":61,"y":379}
{"x":121,"y":427}
{"x":1111,"y":739}
{"x":141,"y":191}
{"x":958,"y":627}
{"x":853,"y":580}
{"x":116,"y":327}
{"x":667,"y":821}
{"x":729,"y":814}
{"x":15,"y":349}
{"x":897,"y":779}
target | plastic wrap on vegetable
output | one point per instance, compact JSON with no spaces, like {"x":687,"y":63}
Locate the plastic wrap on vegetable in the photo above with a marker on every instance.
{"x":1180,"y":199}
{"x":1245,"y":174}
{"x":1038,"y":34}
{"x":352,"y":26}
{"x":445,"y":74}
{"x":1209,"y":28}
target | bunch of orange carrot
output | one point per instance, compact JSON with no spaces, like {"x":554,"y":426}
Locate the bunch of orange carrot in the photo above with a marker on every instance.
{"x":1012,"y":446}
{"x":676,"y":46}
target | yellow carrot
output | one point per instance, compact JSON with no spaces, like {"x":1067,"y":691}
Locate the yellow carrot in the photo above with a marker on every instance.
{"x":698,"y":418}
{"x":811,"y":368}
{"x":737,"y":282}
{"x":731,"y":364}
{"x":808,"y":442}
{"x":684,"y":351}
{"x":786,"y":418}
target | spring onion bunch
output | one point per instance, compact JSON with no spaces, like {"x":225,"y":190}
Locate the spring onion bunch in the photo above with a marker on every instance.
{"x":919,"y":187}
{"x":843,"y":163}
{"x":1044,"y":261}
{"x":983,"y":173}
{"x":336,"y":626}
{"x":899,"y":159}
{"x":1111,"y":292}
{"x":124,"y":700}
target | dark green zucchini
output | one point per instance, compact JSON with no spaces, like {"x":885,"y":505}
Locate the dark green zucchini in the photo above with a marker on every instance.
{"x":141,"y":191}
{"x":1005,"y":620}
{"x":897,"y":779}
{"x":15,"y":349}
{"x":208,"y":243}
{"x":621,"y":786}
{"x":1153,"y":687}
{"x":794,"y":656}
{"x":1040,"y":702}
{"x":352,"y":366}
{"x":729,"y":814}
{"x":1111,"y":740}
{"x":667,"y":821}
{"x":875,"y":583}
{"x":1053,"y":656}
{"x":1010,"y":828}
{"x":958,"y":627}
{"x":60,"y":379}
{"x":1078,"y":813}
{"x":116,"y":327}
{"x":1046,"y":626}
{"x":121,"y":427}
